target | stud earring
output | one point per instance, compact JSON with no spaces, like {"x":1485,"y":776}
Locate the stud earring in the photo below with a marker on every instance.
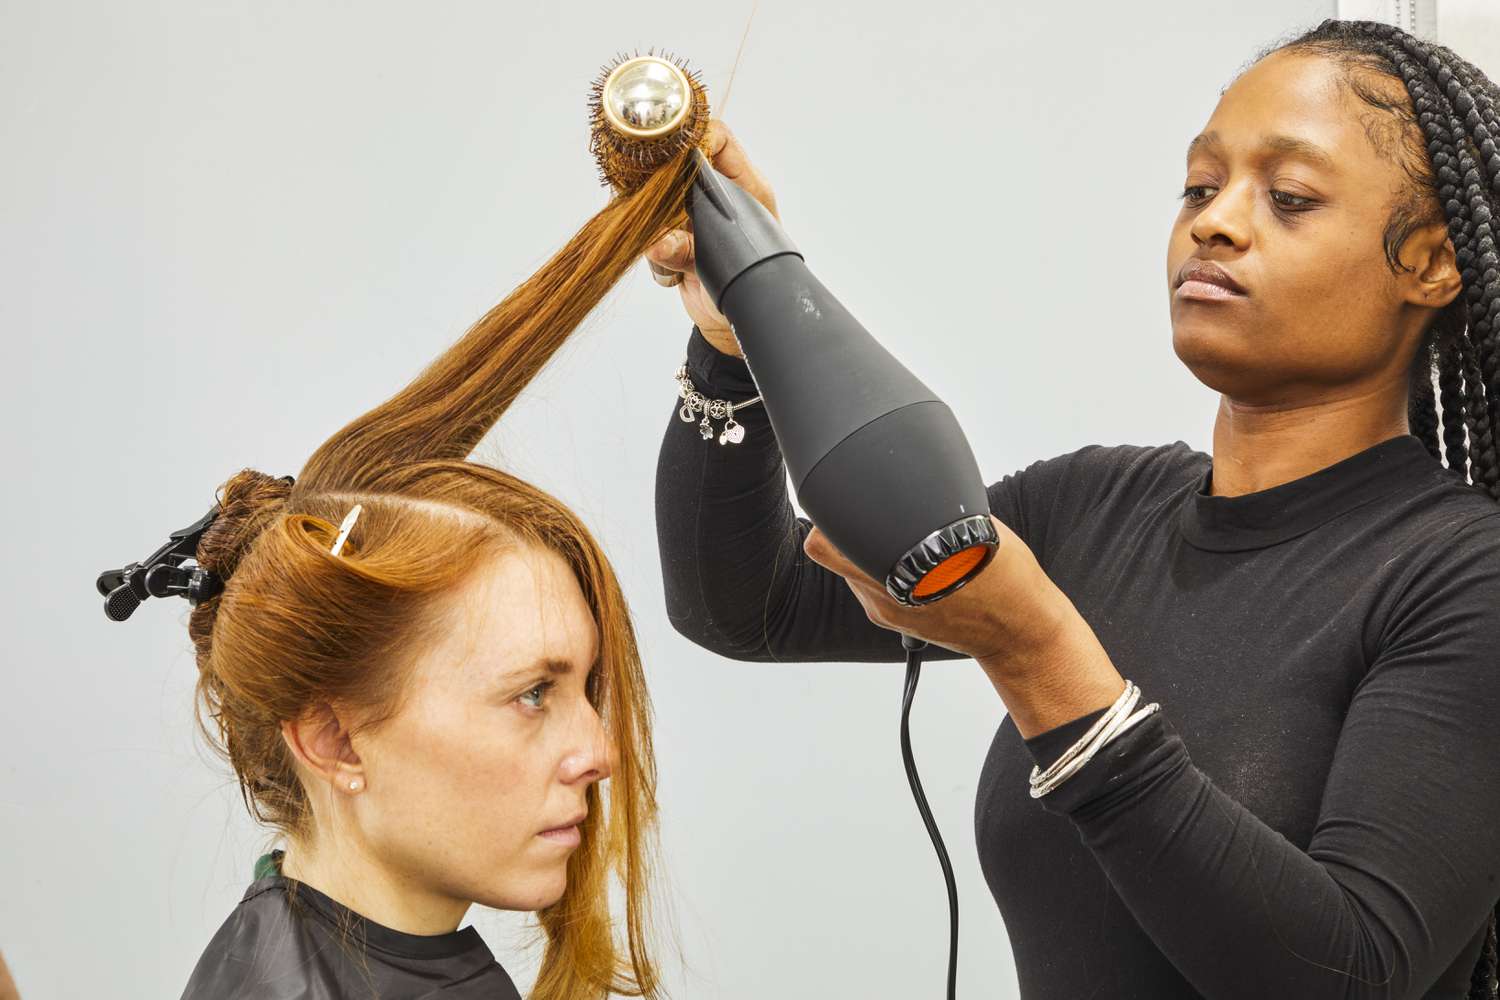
{"x":355,"y":784}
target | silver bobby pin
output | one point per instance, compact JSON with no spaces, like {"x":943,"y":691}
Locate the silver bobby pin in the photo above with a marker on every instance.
{"x":346,"y":527}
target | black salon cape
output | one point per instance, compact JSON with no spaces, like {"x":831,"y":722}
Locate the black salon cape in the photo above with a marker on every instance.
{"x":1315,"y":809}
{"x":306,"y":946}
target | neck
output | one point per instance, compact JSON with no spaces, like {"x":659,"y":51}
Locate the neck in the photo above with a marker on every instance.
{"x":1258,"y":446}
{"x":350,"y":875}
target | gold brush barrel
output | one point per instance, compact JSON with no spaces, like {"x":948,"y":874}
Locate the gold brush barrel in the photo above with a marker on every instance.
{"x":644,"y":112}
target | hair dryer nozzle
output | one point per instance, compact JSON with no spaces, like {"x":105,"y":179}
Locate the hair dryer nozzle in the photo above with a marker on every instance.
{"x":732,"y":231}
{"x":943,"y":561}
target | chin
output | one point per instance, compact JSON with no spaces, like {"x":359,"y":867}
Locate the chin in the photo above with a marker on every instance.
{"x":1215,"y":357}
{"x":527,"y":894}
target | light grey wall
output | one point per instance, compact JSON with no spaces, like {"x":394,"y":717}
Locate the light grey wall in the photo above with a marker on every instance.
{"x":1472,"y":29}
{"x":228,"y":228}
{"x":1469,"y":27}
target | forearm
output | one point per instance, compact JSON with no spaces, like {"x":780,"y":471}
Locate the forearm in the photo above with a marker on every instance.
{"x":1049,"y":668}
{"x":1398,"y":873}
{"x":736,"y":578}
{"x":1238,"y":909}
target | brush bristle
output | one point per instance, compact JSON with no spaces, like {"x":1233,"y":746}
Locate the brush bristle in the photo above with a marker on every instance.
{"x":625,"y":161}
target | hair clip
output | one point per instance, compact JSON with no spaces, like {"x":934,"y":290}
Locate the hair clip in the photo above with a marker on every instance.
{"x":165,"y":572}
{"x":346,"y":526}
{"x":161,"y":574}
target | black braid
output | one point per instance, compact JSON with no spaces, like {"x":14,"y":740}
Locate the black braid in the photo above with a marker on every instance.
{"x":1451,"y":386}
{"x":1421,"y":411}
{"x":1482,"y":439}
{"x":1469,"y":217}
{"x":1449,"y":147}
{"x":1456,"y":350}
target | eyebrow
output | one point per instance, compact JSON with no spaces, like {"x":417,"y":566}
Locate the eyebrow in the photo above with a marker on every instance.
{"x":552,"y":665}
{"x":1286,"y":145}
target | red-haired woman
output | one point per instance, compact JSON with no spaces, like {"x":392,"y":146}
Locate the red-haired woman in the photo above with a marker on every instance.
{"x":421,"y":670}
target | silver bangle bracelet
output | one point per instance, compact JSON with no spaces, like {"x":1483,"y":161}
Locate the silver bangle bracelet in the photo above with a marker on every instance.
{"x":1119,"y":709}
{"x":1114,"y":723}
{"x":694,"y":402}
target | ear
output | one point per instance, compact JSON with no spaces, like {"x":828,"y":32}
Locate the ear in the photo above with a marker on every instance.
{"x":1434,"y":279}
{"x":319,"y":740}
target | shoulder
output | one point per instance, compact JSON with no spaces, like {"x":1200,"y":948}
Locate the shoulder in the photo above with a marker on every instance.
{"x":1440,"y":585}
{"x":1087,"y":475}
{"x":255,"y":951}
{"x":1449,"y":506}
{"x":1137,"y":468}
{"x":1094,"y":464}
{"x":1053,"y":494}
{"x":288,"y":940}
{"x":1444,"y":526}
{"x":1450,"y":545}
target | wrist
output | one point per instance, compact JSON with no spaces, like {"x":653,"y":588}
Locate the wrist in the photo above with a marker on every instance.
{"x":722,"y":339}
{"x":1056,"y":680}
{"x":1037,"y":641}
{"x":715,"y":372}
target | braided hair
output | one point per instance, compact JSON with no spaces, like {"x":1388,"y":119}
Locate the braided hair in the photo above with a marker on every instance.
{"x":1445,"y":139}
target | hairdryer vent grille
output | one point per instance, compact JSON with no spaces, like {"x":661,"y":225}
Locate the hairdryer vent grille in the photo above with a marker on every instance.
{"x":943,"y":561}
{"x":950,"y":570}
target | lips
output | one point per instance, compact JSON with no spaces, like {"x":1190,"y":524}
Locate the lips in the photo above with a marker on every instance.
{"x":1197,"y":269}
{"x":575,"y":821}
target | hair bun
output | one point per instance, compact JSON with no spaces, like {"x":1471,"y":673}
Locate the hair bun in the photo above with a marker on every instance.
{"x":248,"y":502}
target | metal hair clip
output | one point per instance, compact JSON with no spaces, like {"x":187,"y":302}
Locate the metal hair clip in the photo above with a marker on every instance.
{"x":344,"y":529}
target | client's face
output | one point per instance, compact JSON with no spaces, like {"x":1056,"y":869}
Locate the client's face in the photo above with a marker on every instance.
{"x":475,"y":787}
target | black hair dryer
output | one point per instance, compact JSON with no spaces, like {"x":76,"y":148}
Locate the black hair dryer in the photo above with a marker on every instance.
{"x":877,"y":460}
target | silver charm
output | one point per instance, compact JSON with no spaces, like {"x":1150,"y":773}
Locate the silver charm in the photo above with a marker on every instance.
{"x":734,"y":431}
{"x":694,"y":401}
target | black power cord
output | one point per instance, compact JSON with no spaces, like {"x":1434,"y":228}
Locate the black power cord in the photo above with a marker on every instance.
{"x":914,"y":649}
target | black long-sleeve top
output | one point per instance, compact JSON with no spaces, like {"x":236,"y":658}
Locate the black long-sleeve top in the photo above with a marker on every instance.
{"x":1315,"y":809}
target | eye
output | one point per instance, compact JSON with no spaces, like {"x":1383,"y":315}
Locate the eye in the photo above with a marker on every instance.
{"x":1193,"y":195}
{"x":533,"y":697}
{"x":1293,"y":201}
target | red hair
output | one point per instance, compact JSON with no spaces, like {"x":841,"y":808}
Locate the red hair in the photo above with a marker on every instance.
{"x":295,"y":626}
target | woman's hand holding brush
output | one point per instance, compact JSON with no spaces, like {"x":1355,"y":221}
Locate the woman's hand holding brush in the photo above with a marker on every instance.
{"x":673,"y":253}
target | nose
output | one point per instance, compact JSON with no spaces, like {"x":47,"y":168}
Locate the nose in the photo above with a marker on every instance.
{"x":591,"y":756}
{"x":1225,"y":218}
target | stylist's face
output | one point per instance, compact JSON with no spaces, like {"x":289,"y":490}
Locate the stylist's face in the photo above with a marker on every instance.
{"x":476,"y":789}
{"x":1287,"y":195}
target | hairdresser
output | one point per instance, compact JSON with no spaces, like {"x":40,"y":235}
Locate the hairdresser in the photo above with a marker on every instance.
{"x":1313,"y":807}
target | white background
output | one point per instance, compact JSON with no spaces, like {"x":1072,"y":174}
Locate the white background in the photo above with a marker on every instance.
{"x":227,"y":229}
{"x":1469,"y":27}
